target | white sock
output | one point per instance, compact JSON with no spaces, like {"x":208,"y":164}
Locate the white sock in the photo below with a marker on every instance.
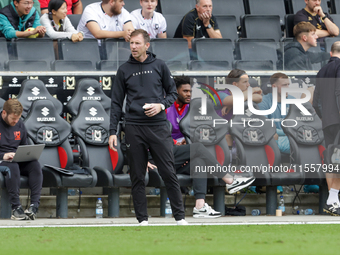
{"x":333,"y":196}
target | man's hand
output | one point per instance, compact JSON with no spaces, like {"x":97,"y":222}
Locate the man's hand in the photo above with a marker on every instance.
{"x":113,"y":142}
{"x":41,"y":30}
{"x":205,"y":17}
{"x":127,"y":35}
{"x":153,"y":110}
{"x":183,"y":142}
{"x":318,"y":11}
{"x":276,"y":136}
{"x":257,"y":90}
{"x":151,"y":166}
{"x":9,"y":155}
{"x":224,"y":110}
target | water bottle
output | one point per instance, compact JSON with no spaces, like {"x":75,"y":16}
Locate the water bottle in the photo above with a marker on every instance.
{"x":255,"y":212}
{"x":296,"y":210}
{"x":99,"y":208}
{"x":282,"y":205}
{"x":168,"y":211}
{"x":191,"y":192}
{"x":309,"y":212}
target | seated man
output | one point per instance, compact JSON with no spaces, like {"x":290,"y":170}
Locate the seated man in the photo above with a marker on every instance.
{"x":4,"y":3}
{"x":148,"y":19}
{"x":314,"y":14}
{"x":13,"y":134}
{"x":187,"y":157}
{"x":17,"y":17}
{"x":106,"y":19}
{"x":296,"y":56}
{"x":73,"y":6}
{"x":198,"y":23}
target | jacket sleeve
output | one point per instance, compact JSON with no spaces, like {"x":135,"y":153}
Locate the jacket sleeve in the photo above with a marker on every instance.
{"x":316,"y":57}
{"x":169,"y":87}
{"x":117,"y":99}
{"x":36,"y":22}
{"x":6,"y":28}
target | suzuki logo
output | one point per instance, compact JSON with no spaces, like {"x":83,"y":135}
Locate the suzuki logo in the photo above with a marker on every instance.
{"x":51,"y":80}
{"x":45,"y":111}
{"x":93,"y":111}
{"x":90,"y":91}
{"x":15,"y":80}
{"x":35,"y":91}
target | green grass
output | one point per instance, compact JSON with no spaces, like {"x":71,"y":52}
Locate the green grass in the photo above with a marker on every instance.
{"x":175,"y":240}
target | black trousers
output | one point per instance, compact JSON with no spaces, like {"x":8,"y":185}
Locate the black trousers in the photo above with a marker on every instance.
{"x":196,"y":155}
{"x":30,"y":169}
{"x":330,"y":133}
{"x":157,"y":139}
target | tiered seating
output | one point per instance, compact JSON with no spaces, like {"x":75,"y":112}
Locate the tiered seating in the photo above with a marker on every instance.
{"x":272,"y":7}
{"x":176,"y":6}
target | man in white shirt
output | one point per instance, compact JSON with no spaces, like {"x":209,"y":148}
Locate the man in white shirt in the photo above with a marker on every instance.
{"x":149,"y":20}
{"x":106,"y":19}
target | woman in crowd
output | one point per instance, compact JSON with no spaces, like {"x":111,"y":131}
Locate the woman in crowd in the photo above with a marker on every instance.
{"x":58,"y":24}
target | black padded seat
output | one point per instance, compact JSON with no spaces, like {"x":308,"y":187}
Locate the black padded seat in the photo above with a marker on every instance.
{"x":44,"y":125}
{"x":34,"y":89}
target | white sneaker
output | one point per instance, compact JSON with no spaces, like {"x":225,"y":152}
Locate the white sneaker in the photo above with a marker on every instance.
{"x":182,"y":222}
{"x":144,"y":223}
{"x":239,"y":183}
{"x":206,"y":212}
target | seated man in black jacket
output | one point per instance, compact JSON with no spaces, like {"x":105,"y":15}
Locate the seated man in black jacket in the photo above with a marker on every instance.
{"x":12,"y":134}
{"x":296,"y":56}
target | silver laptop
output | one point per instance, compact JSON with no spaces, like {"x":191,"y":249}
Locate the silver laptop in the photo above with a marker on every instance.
{"x":26,"y":153}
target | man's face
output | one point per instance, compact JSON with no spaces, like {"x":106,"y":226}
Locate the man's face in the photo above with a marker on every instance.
{"x":243,"y":83}
{"x":148,"y":6}
{"x":117,"y":6}
{"x":204,"y":6}
{"x":184,"y":93}
{"x":281,"y":83}
{"x":311,"y":39}
{"x":23,"y":7}
{"x":311,"y":4}
{"x":11,"y":119}
{"x":138,"y":47}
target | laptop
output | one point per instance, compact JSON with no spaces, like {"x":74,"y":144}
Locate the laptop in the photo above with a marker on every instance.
{"x":26,"y":153}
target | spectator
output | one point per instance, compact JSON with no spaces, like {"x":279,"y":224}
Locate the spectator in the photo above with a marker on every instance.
{"x":17,"y":17}
{"x":13,"y":134}
{"x":106,"y":19}
{"x":73,"y":6}
{"x":327,"y":105}
{"x":198,"y":23}
{"x":296,"y":56}
{"x":58,"y":24}
{"x":148,"y":19}
{"x":314,"y":14}
{"x":36,"y":4}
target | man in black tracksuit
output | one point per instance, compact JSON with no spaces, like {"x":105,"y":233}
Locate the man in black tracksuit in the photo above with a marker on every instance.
{"x":12,"y":134}
{"x":326,"y":102}
{"x":145,"y":80}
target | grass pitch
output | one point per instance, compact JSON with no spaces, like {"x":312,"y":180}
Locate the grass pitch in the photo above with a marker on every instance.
{"x":175,"y":240}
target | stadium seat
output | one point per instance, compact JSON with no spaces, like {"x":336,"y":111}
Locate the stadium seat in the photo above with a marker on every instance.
{"x":261,"y":27}
{"x":289,"y":25}
{"x":228,"y":26}
{"x":32,"y":90}
{"x":3,"y":53}
{"x":44,"y":125}
{"x":87,"y":2}
{"x":117,"y":52}
{"x":329,"y":42}
{"x":254,"y":65}
{"x":272,"y":7}
{"x":257,"y":50}
{"x":27,"y":65}
{"x":37,"y":49}
{"x":173,"y":51}
{"x":88,"y":89}
{"x":212,"y":54}
{"x":336,"y":19}
{"x":72,"y":65}
{"x":172,"y":21}
{"x":229,"y":7}
{"x":335,"y":6}
{"x":213,"y":138}
{"x":82,"y":51}
{"x":178,"y":7}
{"x":74,"y":18}
{"x":297,"y":5}
{"x":307,"y":145}
{"x":91,"y":130}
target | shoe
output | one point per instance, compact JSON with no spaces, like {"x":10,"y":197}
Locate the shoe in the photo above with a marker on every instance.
{"x":31,"y":212}
{"x":182,"y":222}
{"x":18,"y":214}
{"x":144,"y":223}
{"x":206,"y":212}
{"x":333,"y":209}
{"x":239,"y":183}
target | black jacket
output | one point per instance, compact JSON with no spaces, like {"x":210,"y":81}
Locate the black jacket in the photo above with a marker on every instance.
{"x":11,"y":137}
{"x":326,"y":100}
{"x":296,"y":58}
{"x":142,"y":82}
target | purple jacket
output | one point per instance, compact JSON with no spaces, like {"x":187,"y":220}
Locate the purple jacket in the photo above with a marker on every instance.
{"x":174,"y":117}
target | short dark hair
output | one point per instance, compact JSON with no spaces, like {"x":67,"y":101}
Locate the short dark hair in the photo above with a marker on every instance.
{"x":13,"y":106}
{"x":235,"y":75}
{"x":181,"y":80}
{"x":335,"y":47}
{"x":141,"y":32}
{"x":276,"y":76}
{"x":302,"y":27}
